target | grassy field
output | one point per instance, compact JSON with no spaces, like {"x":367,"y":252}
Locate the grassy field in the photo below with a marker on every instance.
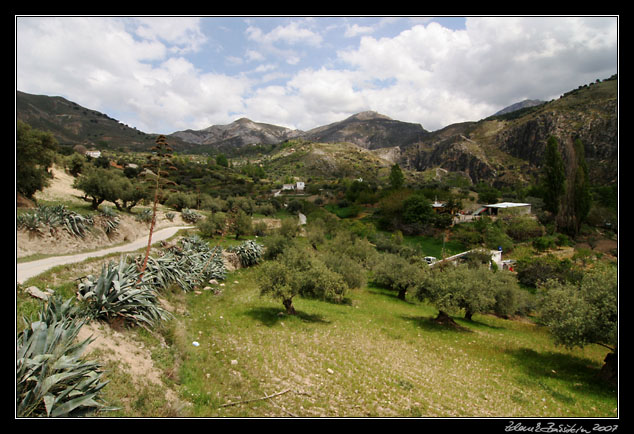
{"x":375,"y":356}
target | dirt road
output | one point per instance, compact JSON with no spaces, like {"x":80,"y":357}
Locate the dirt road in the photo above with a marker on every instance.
{"x":27,"y":270}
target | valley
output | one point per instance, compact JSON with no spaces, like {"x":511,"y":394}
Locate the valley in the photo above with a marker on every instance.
{"x":253,"y":312}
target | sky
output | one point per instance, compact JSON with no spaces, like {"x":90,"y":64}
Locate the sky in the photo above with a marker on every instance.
{"x":162,"y":74}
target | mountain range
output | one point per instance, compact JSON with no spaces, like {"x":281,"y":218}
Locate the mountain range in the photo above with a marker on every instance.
{"x":505,"y":148}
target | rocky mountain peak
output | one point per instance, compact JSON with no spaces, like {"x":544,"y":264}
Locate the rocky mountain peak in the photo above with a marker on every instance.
{"x":369,"y":115}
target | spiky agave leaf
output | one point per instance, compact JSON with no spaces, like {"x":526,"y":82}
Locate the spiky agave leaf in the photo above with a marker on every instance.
{"x":249,"y":253}
{"x":118,"y":292}
{"x":52,"y":378}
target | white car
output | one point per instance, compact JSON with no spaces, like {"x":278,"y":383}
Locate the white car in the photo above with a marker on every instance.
{"x":430,"y":259}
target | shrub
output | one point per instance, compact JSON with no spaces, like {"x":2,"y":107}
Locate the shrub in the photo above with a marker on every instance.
{"x":260,"y":229}
{"x":474,"y":289}
{"x":523,"y":228}
{"x":212,"y":225}
{"x":240,"y":223}
{"x":584,"y":312}
{"x":533,"y":271}
{"x":353,"y":273}
{"x":289,"y":228}
{"x":180,"y":200}
{"x":322,"y":283}
{"x":275,"y":245}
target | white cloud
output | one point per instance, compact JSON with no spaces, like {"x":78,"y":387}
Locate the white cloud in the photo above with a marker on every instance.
{"x":448,"y":76}
{"x":356,"y":30}
{"x":183,"y":34}
{"x":290,"y":34}
{"x":97,"y":63}
{"x":143,"y":71}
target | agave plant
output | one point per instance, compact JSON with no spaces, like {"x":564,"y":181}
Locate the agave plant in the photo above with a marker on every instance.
{"x":200,"y":261}
{"x":109,"y":219}
{"x":249,"y":253}
{"x":190,"y":216}
{"x":161,"y":272}
{"x":52,"y":378}
{"x":144,"y":216}
{"x":29,"y":222}
{"x":118,"y":292}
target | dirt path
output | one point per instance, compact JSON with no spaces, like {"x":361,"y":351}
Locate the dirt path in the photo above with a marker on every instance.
{"x":27,"y":270}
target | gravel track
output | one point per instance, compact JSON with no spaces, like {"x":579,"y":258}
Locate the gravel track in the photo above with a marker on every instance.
{"x":30,"y":269}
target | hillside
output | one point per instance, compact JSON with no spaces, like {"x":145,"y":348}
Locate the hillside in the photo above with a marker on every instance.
{"x":72,"y":124}
{"x":305,"y":159}
{"x":508,"y":149}
{"x":504,"y":149}
{"x":242,"y":132}
{"x":369,"y":130}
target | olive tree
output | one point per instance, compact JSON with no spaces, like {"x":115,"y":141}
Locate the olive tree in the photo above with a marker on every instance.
{"x":101,"y":185}
{"x":35,"y":152}
{"x":584,"y":313}
{"x":298,"y":271}
{"x":397,"y":273}
{"x":474,"y":289}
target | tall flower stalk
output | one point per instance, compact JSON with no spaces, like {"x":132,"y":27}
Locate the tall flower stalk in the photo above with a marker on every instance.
{"x":159,"y":160}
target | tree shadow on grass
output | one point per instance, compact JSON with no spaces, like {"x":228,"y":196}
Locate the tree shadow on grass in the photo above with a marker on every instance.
{"x":270,"y":316}
{"x":430,"y":324}
{"x":391,"y":294}
{"x":577,"y":374}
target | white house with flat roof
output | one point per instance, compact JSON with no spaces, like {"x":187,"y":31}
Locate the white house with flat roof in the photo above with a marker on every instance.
{"x":506,"y":208}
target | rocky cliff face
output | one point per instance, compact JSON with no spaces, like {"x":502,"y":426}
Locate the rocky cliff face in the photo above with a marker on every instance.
{"x":505,"y":150}
{"x":595,"y":123}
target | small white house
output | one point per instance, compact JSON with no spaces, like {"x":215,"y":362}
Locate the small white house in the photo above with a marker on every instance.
{"x":507,"y":208}
{"x":299,"y":186}
{"x":93,"y":154}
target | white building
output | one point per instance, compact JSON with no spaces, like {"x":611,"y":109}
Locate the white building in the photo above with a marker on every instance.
{"x":93,"y":154}
{"x":506,"y":208}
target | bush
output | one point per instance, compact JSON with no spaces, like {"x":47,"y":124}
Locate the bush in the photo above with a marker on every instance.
{"x":240,"y":223}
{"x":275,"y":245}
{"x":212,"y":225}
{"x":533,"y":271}
{"x":585,"y":312}
{"x":318,"y":281}
{"x":180,"y":200}
{"x":523,"y":228}
{"x":544,"y":243}
{"x":353,"y":273}
{"x":289,"y":228}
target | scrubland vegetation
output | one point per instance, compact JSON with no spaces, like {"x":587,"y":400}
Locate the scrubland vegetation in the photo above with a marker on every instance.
{"x":340,"y":317}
